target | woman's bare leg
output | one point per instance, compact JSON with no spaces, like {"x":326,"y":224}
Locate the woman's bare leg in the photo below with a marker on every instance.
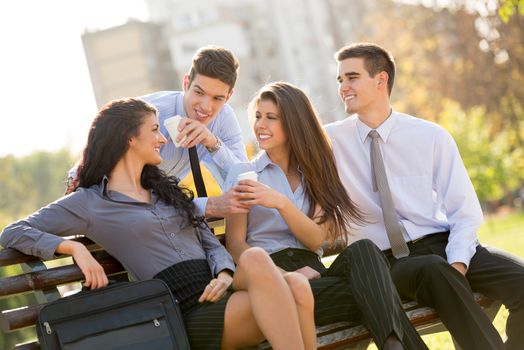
{"x":305,"y":302}
{"x":240,"y":327}
{"x":270,"y":300}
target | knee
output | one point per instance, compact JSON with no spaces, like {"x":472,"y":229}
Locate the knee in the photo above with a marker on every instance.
{"x":255,"y":261}
{"x":363,"y":249}
{"x":364,"y":242}
{"x":301,"y":290}
{"x":434,"y":267}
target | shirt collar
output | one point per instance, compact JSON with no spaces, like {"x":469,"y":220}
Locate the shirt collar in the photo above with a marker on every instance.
{"x":179,"y":105}
{"x":102,"y":187}
{"x":383,"y":130}
{"x":102,"y":190}
{"x":262,"y":161}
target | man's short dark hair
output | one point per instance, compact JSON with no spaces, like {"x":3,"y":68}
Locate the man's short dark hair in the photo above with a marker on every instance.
{"x":376,"y":59}
{"x":215,"y":62}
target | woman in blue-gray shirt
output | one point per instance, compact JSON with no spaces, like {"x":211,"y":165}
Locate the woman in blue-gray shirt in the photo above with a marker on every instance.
{"x":297,"y":204}
{"x":125,"y":203}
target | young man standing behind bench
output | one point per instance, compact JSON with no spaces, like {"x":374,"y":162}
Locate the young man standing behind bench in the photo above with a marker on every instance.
{"x":209,"y":124}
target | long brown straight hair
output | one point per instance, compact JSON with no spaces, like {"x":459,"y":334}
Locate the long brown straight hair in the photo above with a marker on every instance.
{"x":310,"y":150}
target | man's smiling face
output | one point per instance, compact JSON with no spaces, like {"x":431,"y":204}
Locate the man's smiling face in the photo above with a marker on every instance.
{"x":204,"y":97}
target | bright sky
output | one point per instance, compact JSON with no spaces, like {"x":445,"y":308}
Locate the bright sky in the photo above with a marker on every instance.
{"x":45,"y":88}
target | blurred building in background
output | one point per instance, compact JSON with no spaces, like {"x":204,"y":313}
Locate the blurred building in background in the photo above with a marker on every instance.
{"x":128,"y":60}
{"x":187,"y":26}
{"x":290,"y":40}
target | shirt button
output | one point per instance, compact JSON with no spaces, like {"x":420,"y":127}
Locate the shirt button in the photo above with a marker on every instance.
{"x":172,"y":235}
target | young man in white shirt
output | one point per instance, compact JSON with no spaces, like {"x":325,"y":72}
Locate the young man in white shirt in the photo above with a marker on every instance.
{"x":433,"y":204}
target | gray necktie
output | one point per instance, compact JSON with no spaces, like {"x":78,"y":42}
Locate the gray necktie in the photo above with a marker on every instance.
{"x":399,"y":247}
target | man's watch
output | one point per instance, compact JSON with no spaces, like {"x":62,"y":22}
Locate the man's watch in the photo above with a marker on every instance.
{"x":215,"y":147}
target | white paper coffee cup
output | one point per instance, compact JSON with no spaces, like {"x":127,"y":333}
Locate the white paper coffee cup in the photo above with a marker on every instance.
{"x":248,"y":175}
{"x":171,"y":125}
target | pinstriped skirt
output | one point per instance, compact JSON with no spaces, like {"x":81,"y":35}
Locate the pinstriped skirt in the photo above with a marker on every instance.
{"x":204,"y":322}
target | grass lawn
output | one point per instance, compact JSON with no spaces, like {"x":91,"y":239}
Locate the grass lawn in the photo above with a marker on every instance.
{"x":505,"y":231}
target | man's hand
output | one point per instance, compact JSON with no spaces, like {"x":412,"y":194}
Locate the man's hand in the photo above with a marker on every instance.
{"x":193,"y":133}
{"x":226,"y":204}
{"x":309,"y":273}
{"x":460,"y":267}
{"x":71,"y":184}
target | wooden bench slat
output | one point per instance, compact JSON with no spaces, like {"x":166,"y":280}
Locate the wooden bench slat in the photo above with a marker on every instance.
{"x":27,"y":346}
{"x":13,"y":257}
{"x":11,"y":320}
{"x":54,"y":276}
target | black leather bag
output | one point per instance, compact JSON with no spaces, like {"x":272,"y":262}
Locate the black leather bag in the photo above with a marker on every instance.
{"x":128,"y":315}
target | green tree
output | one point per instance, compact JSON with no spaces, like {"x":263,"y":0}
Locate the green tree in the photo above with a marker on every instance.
{"x":464,"y":54}
{"x":509,"y":7}
{"x":493,"y":168}
{"x":30,"y":182}
{"x":26,"y":184}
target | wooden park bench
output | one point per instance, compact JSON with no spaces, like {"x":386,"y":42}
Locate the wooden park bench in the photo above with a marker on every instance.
{"x":45,"y":281}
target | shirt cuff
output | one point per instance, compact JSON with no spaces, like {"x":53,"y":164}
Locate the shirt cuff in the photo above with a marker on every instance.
{"x":223,"y":264}
{"x":221,"y":156}
{"x":460,"y":255}
{"x":229,"y":271}
{"x":47,"y":249}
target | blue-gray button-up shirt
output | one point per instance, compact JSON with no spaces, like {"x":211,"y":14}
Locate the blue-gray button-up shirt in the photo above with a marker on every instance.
{"x":265,"y":226}
{"x":145,"y":237}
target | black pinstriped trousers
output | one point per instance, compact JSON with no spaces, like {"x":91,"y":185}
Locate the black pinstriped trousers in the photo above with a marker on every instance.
{"x":427,"y":277}
{"x":356,"y":287}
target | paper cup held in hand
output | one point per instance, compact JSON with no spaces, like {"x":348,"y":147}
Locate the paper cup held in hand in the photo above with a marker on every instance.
{"x":248,"y":175}
{"x":171,"y":125}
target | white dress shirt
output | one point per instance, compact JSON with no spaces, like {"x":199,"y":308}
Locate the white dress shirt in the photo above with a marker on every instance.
{"x":429,"y":184}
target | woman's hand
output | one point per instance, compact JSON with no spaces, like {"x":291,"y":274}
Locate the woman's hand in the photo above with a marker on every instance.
{"x":256,"y":193}
{"x":216,"y":288}
{"x":310,"y":273}
{"x":95,"y":276}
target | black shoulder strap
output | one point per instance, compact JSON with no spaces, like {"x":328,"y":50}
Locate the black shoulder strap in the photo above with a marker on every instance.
{"x":197,"y":174}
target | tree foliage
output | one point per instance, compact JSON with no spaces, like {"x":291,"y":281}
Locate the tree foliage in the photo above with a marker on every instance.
{"x":26,"y":184}
{"x":510,"y":7}
{"x":30,"y":182}
{"x":461,"y":66}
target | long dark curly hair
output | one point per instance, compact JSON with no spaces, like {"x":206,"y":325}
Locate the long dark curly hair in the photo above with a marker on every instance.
{"x":114,"y":125}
